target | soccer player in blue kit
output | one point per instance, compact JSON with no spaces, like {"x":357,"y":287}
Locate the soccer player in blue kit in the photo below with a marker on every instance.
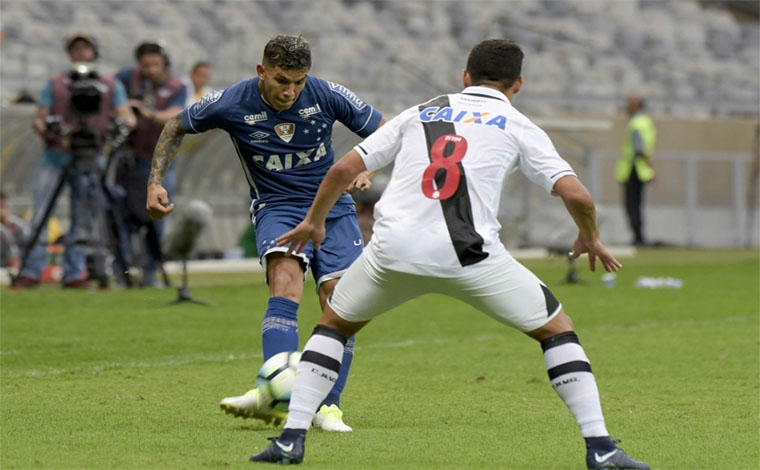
{"x":280,"y":123}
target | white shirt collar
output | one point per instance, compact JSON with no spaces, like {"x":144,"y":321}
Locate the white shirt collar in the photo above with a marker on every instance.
{"x":485,"y":91}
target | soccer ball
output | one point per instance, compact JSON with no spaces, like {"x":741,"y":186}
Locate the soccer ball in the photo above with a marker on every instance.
{"x":276,"y":378}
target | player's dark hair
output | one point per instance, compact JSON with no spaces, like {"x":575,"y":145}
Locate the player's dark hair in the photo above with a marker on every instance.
{"x":288,"y":53}
{"x":496,"y":61}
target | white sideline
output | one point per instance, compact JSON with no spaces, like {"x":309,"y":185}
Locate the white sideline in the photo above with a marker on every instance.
{"x":252,"y":264}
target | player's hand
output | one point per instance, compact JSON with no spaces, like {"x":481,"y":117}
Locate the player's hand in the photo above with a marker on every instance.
{"x":362,"y":182}
{"x":595,"y":249}
{"x":158,"y":202}
{"x":300,"y":236}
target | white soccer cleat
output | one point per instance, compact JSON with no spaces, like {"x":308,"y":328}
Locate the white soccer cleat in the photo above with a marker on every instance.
{"x":330,"y":418}
{"x":254,"y":404}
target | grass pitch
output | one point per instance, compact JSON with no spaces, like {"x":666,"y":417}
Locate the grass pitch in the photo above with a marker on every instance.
{"x":119,"y":379}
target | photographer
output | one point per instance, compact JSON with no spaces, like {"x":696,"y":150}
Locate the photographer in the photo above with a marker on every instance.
{"x":13,"y":234}
{"x":59,"y":122}
{"x":156,"y":96}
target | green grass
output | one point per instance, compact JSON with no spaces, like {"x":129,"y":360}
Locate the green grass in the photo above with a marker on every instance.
{"x":120,"y":380}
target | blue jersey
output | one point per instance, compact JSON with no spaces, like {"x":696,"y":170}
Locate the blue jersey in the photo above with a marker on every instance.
{"x":285,"y":154}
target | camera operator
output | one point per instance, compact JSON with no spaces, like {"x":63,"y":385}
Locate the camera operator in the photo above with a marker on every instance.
{"x":156,"y":96}
{"x":13,"y":234}
{"x":59,"y":122}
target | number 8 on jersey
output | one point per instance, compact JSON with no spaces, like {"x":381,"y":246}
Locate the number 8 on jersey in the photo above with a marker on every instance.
{"x":457,"y":146}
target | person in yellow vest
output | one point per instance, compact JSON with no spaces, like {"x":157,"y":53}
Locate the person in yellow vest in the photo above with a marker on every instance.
{"x":635,"y":167}
{"x":197,"y":82}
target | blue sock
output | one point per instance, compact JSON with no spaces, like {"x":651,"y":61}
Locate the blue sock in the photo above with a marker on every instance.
{"x":279,"y":330}
{"x":333,"y":398}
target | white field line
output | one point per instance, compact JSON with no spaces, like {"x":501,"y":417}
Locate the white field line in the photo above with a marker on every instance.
{"x":252,"y":264}
{"x":410,"y":343}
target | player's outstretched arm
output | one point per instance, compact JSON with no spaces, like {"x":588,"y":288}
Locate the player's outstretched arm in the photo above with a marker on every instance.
{"x":158,"y":204}
{"x":312,"y":228}
{"x":362,"y":182}
{"x":581,"y":207}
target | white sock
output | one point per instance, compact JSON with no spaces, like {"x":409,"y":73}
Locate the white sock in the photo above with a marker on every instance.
{"x":316,"y":375}
{"x":571,"y":377}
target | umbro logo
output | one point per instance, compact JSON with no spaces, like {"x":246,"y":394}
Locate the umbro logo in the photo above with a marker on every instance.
{"x":259,"y":136}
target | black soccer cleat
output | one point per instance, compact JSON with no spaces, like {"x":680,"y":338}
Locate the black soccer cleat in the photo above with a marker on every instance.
{"x":282,"y":452}
{"x":614,"y":459}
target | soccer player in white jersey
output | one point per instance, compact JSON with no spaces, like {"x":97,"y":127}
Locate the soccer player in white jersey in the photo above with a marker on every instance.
{"x":436,"y":230}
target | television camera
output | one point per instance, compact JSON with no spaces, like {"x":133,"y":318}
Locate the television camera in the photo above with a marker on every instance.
{"x":88,"y":171}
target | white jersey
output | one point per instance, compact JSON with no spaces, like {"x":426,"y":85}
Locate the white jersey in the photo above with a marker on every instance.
{"x":439,"y":210}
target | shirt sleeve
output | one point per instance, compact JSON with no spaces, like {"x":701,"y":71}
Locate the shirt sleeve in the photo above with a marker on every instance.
{"x":46,"y":96}
{"x":539,"y":160}
{"x":119,"y":95}
{"x":357,"y":115}
{"x":208,"y":113}
{"x":381,"y":148}
{"x":123,"y":76}
{"x":179,"y":98}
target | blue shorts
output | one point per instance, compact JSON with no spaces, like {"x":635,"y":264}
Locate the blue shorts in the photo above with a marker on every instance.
{"x":343,"y":241}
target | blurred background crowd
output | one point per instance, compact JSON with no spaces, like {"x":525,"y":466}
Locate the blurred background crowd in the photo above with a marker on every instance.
{"x":695,"y":62}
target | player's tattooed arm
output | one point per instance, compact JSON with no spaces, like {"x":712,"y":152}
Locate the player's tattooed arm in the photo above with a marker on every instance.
{"x":166,"y":148}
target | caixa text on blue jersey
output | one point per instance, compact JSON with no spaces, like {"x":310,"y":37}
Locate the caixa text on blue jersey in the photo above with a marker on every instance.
{"x":448,"y":114}
{"x":287,"y":161}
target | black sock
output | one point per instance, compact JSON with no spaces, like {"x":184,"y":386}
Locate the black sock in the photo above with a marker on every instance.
{"x":290,"y":435}
{"x":602,"y":443}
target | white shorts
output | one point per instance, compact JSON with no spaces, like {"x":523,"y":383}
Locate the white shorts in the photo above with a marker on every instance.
{"x":498,"y":286}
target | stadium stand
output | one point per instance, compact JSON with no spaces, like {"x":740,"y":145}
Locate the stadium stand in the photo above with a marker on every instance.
{"x":584,"y":54}
{"x":693,"y":60}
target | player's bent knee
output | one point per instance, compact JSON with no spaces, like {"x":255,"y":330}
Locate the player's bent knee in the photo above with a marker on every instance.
{"x":561,"y":323}
{"x":285,"y":277}
{"x":325,"y":289}
{"x":332,"y":320}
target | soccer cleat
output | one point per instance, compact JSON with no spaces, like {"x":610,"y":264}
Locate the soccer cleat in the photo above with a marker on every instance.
{"x":614,"y":459}
{"x":330,"y":418}
{"x":281,"y":452}
{"x":254,"y":404}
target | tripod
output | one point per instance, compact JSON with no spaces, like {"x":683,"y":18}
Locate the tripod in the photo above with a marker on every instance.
{"x":572,"y":272}
{"x":98,"y":202}
{"x":183,"y":291}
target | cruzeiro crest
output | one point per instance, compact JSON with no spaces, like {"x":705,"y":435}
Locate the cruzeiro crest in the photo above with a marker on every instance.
{"x":286,"y":130}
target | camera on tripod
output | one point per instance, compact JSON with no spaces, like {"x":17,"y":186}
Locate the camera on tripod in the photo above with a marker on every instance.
{"x":86,"y":94}
{"x":86,"y":89}
{"x":84,"y":130}
{"x":54,"y":125}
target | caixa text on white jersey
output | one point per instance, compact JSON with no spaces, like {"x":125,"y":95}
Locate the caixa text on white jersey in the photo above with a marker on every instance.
{"x":448,"y":114}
